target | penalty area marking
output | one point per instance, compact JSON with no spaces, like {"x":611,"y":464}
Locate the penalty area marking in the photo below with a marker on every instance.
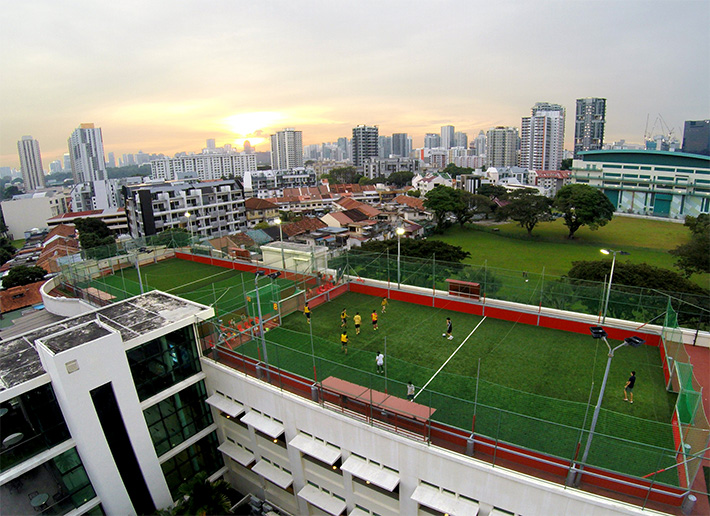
{"x":452,"y":356}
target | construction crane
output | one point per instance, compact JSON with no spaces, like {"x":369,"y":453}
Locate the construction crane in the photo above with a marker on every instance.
{"x":666,"y":132}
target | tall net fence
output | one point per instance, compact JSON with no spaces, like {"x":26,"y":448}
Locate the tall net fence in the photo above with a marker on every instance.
{"x":645,"y":305}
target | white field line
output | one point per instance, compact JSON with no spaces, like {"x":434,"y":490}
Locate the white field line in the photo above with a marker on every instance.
{"x":447,"y":360}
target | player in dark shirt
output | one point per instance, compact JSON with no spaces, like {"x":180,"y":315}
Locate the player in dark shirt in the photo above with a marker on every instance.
{"x":629,"y":388}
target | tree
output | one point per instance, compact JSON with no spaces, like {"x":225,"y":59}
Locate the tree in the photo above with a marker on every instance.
{"x":11,"y":191}
{"x":694,"y":256}
{"x":583,"y":205}
{"x":527,"y":208}
{"x":481,"y":205}
{"x":93,"y":232}
{"x":566,"y":164}
{"x":23,"y":275}
{"x":199,"y":496}
{"x":128,"y":171}
{"x":414,"y":193}
{"x":344,"y":175}
{"x":491,"y":190}
{"x":401,"y":178}
{"x":455,"y":171}
{"x":463,"y":211}
{"x":441,"y":200}
{"x":418,"y":249}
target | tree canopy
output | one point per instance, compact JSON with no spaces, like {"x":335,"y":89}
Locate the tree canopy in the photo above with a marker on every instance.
{"x":442,"y":200}
{"x":400,"y":179}
{"x":345,"y":175}
{"x":93,"y":232}
{"x":7,"y":250}
{"x":418,"y":249}
{"x":199,"y":496}
{"x":526,"y":207}
{"x":583,"y":205}
{"x":694,"y":256}
{"x":23,"y":275}
{"x":455,"y":171}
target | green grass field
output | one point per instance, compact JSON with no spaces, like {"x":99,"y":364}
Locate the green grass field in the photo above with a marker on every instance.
{"x":648,"y":241}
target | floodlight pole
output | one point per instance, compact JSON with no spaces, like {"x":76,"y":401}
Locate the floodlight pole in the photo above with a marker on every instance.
{"x":261,"y":320}
{"x":575,"y":475}
{"x":611,"y":277}
{"x":400,"y":232}
{"x":278,"y":221}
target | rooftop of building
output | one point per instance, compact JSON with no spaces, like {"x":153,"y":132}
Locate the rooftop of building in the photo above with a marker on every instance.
{"x":648,"y":157}
{"x":132,"y":318}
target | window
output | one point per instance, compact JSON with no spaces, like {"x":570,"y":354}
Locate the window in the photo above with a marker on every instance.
{"x":178,"y":418}
{"x":163,"y":362}
{"x":201,"y":456}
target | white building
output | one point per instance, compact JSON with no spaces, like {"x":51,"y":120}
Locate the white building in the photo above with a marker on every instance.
{"x":378,"y":167}
{"x":203,"y":167}
{"x":32,"y":210}
{"x":501,"y":145}
{"x":205,"y":209}
{"x":447,"y":136}
{"x":31,"y":163}
{"x":364,"y":143}
{"x":86,"y":152}
{"x":542,"y":137}
{"x":287,"y":149}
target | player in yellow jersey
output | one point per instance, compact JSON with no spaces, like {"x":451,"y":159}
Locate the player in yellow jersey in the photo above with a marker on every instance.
{"x":357,"y":320}
{"x":307,"y":313}
{"x":344,"y":341}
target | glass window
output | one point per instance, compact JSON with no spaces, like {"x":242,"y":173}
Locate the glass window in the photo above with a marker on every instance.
{"x":31,"y":423}
{"x":178,"y":418}
{"x":201,"y":456}
{"x":163,"y":362}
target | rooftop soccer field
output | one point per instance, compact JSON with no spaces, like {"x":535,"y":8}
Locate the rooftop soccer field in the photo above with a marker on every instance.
{"x":537,"y":387}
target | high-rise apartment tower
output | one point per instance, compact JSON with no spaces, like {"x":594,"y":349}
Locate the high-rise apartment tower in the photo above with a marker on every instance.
{"x":364,"y":143}
{"x":86,"y":151}
{"x":287,"y":149}
{"x":589,"y":125}
{"x":30,"y":163}
{"x":542,"y":137}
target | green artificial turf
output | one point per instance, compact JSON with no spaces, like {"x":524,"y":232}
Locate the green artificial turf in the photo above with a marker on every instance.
{"x":534,"y":382}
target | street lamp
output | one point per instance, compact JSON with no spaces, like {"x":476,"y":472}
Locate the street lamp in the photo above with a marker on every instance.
{"x":611,"y":276}
{"x":273,"y":275}
{"x":400,"y":232}
{"x":599,"y":333}
{"x":189,"y":226}
{"x":277,"y":221}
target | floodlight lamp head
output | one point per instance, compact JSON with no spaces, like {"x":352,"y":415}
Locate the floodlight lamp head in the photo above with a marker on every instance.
{"x":400,"y":231}
{"x":634,"y":341}
{"x":604,"y":251}
{"x":277,"y":220}
{"x":597,"y":332}
{"x":275,"y":275}
{"x":259,"y":273}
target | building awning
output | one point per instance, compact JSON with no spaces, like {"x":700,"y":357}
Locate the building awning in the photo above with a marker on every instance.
{"x":329,"y":504}
{"x":263,"y":424}
{"x":238,"y":453}
{"x":435,"y":499}
{"x":225,"y":405}
{"x":273,"y":474}
{"x":371,"y":473}
{"x":359,"y":512}
{"x":315,"y":449}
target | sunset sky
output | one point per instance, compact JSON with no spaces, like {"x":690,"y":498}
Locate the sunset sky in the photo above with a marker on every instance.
{"x":163,"y":76}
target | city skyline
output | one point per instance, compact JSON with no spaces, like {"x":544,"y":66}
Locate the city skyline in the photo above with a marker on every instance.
{"x":165,"y":77}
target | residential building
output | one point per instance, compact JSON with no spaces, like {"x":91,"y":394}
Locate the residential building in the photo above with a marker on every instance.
{"x":259,"y":210}
{"x":33,"y":210}
{"x":378,"y":167}
{"x":432,"y":141}
{"x":271,"y":183}
{"x":401,"y":145}
{"x":204,"y":167}
{"x":479,"y":144}
{"x":344,"y":146}
{"x":501,"y":147}
{"x":696,"y":137}
{"x":460,"y":140}
{"x":55,"y":166}
{"x":364,"y":143}
{"x":447,"y":136}
{"x":287,"y":149}
{"x":30,"y":164}
{"x":384,"y":146}
{"x":659,"y":183}
{"x":111,"y":160}
{"x":542,"y":137}
{"x":589,"y":125}
{"x":470,"y":182}
{"x":114,"y":218}
{"x":551,"y":180}
{"x":205,"y":209}
{"x":429,"y":181}
{"x":99,"y":195}
{"x":86,"y":151}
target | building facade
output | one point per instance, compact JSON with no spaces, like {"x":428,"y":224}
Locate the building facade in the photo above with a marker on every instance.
{"x":287,"y":149}
{"x":432,"y":141}
{"x":589,"y":124}
{"x":542,"y":137}
{"x":658,"y":183}
{"x":204,"y":209}
{"x":30,"y":163}
{"x":378,"y":167}
{"x":364,"y":143}
{"x":400,"y":145}
{"x":204,"y":167}
{"x":696,"y":137}
{"x":86,"y":151}
{"x":501,"y":147}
